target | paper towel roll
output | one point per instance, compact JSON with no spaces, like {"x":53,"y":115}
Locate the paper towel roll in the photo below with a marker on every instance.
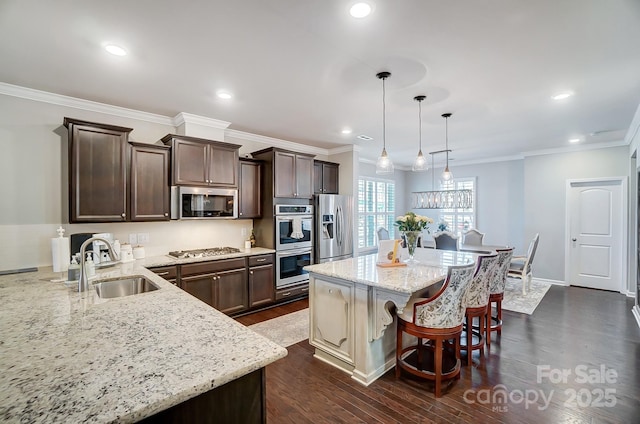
{"x":61,"y":252}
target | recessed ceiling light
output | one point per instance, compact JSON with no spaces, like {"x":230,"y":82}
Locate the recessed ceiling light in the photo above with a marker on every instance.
{"x":346,"y":131}
{"x":360,"y":10}
{"x":115,"y":50}
{"x":364,"y":137}
{"x":562,"y":96}
{"x":574,"y":140}
{"x":224,"y":95}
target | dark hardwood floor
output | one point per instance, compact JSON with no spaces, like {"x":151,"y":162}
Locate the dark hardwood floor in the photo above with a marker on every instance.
{"x":574,"y":330}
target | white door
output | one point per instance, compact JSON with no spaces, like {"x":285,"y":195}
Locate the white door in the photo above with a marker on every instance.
{"x":595,"y":246}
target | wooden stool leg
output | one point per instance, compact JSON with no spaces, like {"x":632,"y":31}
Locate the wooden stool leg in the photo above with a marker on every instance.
{"x":483,"y":332}
{"x":469,"y":339}
{"x":419,"y":364}
{"x":438,"y":366}
{"x":487,"y":322}
{"x":457,"y":350}
{"x":499,"y":309}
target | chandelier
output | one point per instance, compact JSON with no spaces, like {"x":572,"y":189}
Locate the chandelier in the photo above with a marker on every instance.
{"x":442,"y":199}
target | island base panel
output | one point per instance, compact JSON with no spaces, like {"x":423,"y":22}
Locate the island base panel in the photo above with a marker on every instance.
{"x":239,"y":401}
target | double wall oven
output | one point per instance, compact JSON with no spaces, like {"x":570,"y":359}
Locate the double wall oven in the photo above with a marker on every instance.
{"x":293,"y":243}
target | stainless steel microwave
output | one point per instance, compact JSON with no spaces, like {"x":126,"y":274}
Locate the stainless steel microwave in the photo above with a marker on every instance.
{"x":203,"y":203}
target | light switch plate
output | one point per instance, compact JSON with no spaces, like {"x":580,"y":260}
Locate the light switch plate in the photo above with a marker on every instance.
{"x":143,"y":238}
{"x":133,"y":239}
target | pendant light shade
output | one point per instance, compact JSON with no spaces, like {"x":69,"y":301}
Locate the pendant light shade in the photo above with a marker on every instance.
{"x":384,"y":165}
{"x":420,"y":164}
{"x":446,"y":174}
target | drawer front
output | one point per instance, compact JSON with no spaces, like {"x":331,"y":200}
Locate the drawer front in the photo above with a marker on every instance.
{"x":166,"y":272}
{"x":292,"y":292}
{"x":212,"y":266}
{"x":261,"y":260}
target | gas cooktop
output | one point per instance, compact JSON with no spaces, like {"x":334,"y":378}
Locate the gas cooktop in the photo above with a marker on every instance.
{"x":201,"y":253}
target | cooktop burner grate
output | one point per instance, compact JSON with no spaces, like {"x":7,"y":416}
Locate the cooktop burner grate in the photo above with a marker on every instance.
{"x":201,"y":253}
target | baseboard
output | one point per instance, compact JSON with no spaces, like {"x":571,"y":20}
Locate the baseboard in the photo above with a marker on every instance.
{"x":555,"y":282}
{"x":636,"y":313}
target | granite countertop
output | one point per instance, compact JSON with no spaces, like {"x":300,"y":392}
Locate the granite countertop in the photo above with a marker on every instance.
{"x":73,"y":357}
{"x":431,"y":269}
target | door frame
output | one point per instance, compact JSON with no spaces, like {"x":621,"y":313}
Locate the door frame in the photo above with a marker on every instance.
{"x":624,"y":283}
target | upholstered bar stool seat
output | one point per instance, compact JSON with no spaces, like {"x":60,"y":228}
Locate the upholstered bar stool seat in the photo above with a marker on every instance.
{"x":433,"y":321}
{"x":477,"y":301}
{"x":496,"y":292}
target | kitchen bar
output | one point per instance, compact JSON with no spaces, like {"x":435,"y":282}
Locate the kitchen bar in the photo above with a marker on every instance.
{"x":352,"y":302}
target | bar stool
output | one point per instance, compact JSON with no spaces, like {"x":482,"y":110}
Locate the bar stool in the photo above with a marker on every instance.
{"x":477,"y":301}
{"x":437,"y":319}
{"x":496,"y":292}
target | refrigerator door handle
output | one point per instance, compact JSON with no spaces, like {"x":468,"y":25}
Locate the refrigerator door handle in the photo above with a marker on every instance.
{"x":338,"y":227}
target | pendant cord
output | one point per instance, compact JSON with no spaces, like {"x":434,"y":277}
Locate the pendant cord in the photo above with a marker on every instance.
{"x":384,"y":112}
{"x":446,"y":138}
{"x":420,"y":121}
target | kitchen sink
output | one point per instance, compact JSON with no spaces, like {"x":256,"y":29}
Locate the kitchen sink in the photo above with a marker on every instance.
{"x":136,"y":284}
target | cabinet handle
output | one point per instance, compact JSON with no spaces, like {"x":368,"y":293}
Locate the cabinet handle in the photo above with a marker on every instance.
{"x":305,"y":289}
{"x":162,"y":273}
{"x":261,"y":260}
{"x":123,"y":215}
{"x":166,"y":214}
{"x":174,"y":283}
{"x":286,"y":294}
{"x":240,"y":213}
{"x":251,"y":272}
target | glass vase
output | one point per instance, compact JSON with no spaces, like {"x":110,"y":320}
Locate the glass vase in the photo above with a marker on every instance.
{"x":411,"y":238}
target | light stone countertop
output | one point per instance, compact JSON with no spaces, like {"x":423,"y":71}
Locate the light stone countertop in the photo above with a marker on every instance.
{"x":430,"y":269}
{"x":72,"y":357}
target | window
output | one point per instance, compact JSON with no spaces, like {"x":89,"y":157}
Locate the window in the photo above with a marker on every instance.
{"x":460,"y":220}
{"x":376,"y":208}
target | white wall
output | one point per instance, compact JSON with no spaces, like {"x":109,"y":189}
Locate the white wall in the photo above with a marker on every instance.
{"x":545,"y":179}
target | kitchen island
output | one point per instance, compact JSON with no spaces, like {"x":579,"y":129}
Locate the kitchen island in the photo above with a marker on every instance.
{"x":353,"y":303}
{"x":74,"y":357}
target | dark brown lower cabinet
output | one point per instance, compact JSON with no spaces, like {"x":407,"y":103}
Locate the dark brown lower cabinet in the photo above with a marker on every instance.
{"x":261,"y":291}
{"x":200,"y":286}
{"x":232,"y":294}
{"x":239,"y":401}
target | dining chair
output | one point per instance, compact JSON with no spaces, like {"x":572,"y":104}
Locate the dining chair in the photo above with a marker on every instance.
{"x":383,"y":234}
{"x":477,"y":301}
{"x":472,"y":237}
{"x":446,"y":240}
{"x":520,"y":266}
{"x":496,"y":292}
{"x":437,"y":319}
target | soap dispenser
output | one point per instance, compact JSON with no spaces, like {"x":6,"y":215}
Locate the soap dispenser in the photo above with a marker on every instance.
{"x":89,"y":266}
{"x":73,"y":273}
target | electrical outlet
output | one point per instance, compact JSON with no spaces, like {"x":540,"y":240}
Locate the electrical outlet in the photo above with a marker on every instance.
{"x":143,"y":238}
{"x":133,"y":239}
{"x":243,"y":232}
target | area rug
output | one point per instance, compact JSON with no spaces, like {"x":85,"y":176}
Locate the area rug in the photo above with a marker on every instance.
{"x":515,"y":301}
{"x":285,"y":330}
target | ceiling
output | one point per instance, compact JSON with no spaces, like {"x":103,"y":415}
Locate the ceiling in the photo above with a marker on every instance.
{"x":302,"y":70}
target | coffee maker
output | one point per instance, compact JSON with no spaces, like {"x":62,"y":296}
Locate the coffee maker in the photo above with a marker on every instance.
{"x":98,"y":249}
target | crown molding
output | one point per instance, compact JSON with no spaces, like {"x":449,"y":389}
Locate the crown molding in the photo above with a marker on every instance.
{"x":344,"y":149}
{"x":188,"y":118}
{"x":573,"y":149}
{"x":75,"y":103}
{"x":634,"y":127}
{"x":276,"y":142}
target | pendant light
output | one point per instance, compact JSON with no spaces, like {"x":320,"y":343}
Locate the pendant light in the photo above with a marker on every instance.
{"x":420,"y":164}
{"x":384,"y":164}
{"x":446,"y":174}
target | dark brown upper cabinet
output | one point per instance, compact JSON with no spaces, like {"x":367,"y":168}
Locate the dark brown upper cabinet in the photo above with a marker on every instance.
{"x":291,"y":172}
{"x":249,"y":194}
{"x":97,"y":171}
{"x":149,"y":188}
{"x":201,"y":162}
{"x":325,"y":177}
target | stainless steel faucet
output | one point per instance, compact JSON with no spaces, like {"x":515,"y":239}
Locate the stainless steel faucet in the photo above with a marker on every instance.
{"x":83,"y":281}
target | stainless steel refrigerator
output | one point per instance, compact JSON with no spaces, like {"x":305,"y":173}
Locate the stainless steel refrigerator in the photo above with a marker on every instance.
{"x":333,"y":227}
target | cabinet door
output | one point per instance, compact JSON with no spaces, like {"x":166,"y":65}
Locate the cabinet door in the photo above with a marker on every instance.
{"x":317,"y":177}
{"x":201,"y":287}
{"x":190,"y":163}
{"x":97,"y":165}
{"x":223,"y":166}
{"x":284,"y":169}
{"x":261,"y":285}
{"x":304,"y":177}
{"x":330,"y":178}
{"x":232,"y":293}
{"x":249,"y":204}
{"x":149,"y":183}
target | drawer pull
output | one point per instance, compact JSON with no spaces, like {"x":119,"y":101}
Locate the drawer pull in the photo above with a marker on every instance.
{"x":286,"y":294}
{"x":162,"y":273}
{"x":306,"y":289}
{"x":251,"y":272}
{"x":261,"y":260}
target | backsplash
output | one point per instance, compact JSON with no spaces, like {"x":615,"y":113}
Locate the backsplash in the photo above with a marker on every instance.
{"x":27,"y":246}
